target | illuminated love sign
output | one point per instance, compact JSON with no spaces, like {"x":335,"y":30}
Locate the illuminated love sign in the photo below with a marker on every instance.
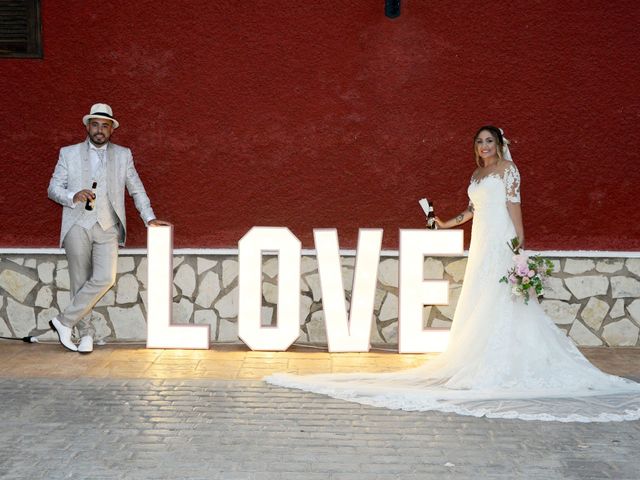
{"x":352,"y":334}
{"x":346,"y":332}
{"x":288,"y":248}
{"x":160,"y":332}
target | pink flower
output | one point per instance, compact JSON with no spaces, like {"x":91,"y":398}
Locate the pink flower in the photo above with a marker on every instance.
{"x":521,"y":260}
{"x":526,"y":274}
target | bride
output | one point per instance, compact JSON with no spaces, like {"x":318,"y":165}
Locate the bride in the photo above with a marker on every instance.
{"x":505,"y":358}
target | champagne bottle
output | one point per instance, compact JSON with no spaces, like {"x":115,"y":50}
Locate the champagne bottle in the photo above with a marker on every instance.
{"x":427,"y":208}
{"x":90,"y":202}
{"x":431,"y":218}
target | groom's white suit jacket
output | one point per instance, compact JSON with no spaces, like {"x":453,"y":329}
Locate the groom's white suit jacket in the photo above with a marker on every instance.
{"x":73,"y":173}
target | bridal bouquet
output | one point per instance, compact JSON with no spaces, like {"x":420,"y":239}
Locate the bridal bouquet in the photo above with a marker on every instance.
{"x":526,"y":276}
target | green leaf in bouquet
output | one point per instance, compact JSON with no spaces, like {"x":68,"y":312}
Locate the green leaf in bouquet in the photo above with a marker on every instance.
{"x":549,"y":264}
{"x":514,"y":245}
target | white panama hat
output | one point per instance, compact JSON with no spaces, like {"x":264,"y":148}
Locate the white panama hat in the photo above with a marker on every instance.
{"x":101,"y":110}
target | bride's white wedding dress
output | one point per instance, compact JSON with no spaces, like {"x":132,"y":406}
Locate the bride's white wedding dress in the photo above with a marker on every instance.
{"x":504,"y":359}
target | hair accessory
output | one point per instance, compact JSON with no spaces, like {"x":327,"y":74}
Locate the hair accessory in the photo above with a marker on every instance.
{"x":506,"y":154}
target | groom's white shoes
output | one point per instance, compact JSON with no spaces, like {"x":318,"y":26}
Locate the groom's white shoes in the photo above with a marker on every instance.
{"x":86,"y":344}
{"x":64,"y":334}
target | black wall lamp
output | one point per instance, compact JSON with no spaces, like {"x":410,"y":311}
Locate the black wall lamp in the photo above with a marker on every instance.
{"x":392,"y":8}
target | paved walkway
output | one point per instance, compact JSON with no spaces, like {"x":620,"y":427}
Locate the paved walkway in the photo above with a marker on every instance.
{"x":131,"y":413}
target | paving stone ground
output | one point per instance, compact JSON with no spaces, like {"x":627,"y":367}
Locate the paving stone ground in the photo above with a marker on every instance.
{"x":229,"y":429}
{"x":130,"y":413}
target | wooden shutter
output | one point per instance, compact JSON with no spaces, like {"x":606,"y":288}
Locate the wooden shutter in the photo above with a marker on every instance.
{"x":20,"y":29}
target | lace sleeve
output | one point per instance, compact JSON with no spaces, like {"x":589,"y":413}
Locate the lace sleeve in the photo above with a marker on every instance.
{"x":512,"y":183}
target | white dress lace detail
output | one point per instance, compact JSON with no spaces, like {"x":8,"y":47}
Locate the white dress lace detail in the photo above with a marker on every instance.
{"x":511,"y":178}
{"x":512,"y":183}
{"x":505,"y":359}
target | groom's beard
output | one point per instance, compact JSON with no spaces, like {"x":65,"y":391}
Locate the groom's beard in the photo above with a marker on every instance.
{"x":98,"y":139}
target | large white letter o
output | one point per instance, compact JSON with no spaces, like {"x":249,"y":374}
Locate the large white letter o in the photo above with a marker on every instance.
{"x":271,"y":240}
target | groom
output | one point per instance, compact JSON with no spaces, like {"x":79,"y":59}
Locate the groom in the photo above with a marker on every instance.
{"x":93,"y":219}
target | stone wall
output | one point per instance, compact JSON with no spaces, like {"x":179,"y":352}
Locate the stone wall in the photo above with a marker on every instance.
{"x":595,"y":300}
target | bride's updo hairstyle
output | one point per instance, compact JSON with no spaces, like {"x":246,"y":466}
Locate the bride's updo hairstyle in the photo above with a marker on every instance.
{"x":497,"y":136}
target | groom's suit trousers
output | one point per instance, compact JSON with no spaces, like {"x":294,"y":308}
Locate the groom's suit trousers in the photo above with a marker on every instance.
{"x":93,"y":257}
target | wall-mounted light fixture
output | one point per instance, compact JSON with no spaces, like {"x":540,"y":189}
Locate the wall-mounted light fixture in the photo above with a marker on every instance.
{"x":392,"y":8}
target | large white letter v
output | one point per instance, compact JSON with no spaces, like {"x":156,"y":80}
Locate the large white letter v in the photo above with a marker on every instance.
{"x":352,"y":335}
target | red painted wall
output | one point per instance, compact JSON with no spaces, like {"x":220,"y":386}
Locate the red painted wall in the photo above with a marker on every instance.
{"x":327,"y":114}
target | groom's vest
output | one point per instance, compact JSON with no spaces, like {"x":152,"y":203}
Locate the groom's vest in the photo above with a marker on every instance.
{"x":102,"y":212}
